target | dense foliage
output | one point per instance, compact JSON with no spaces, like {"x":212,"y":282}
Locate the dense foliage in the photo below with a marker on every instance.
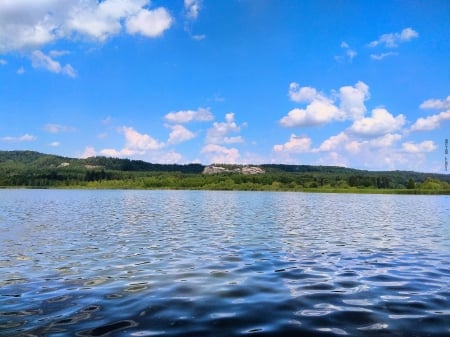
{"x":33,"y":169}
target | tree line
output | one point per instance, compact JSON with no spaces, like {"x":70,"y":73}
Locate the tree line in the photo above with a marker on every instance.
{"x":33,"y":169}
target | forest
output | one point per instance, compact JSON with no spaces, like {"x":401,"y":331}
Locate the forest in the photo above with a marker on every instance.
{"x":31,"y":169}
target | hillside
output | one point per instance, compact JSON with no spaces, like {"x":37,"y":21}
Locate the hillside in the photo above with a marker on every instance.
{"x":34,"y":169}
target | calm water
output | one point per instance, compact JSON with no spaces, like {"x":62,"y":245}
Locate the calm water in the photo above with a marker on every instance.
{"x":179,"y":263}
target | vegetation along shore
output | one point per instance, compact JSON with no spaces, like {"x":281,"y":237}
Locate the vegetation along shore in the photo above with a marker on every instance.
{"x":31,"y":169}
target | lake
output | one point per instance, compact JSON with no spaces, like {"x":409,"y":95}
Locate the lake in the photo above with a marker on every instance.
{"x":204,"y":263}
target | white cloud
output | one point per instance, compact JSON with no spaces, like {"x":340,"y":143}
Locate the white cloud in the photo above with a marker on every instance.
{"x":3,"y":62}
{"x":385,"y":141}
{"x":303,"y":94}
{"x":135,"y":144}
{"x":316,"y":113}
{"x":185,"y":116}
{"x":333,"y":142}
{"x":149,"y":23}
{"x":425,"y":146}
{"x":98,"y":21}
{"x":379,"y":57}
{"x":56,"y":128}
{"x":340,"y":142}
{"x":24,"y":138}
{"x":170,"y":158}
{"x":391,"y":40}
{"x":431,"y":122}
{"x":218,"y":133}
{"x":436,"y":103}
{"x":220,"y":154}
{"x":321,"y":109}
{"x":377,"y":153}
{"x":352,"y":100}
{"x":20,"y":71}
{"x":29,"y":24}
{"x":55,"y":144}
{"x":136,"y":141}
{"x":40,"y":60}
{"x":89,"y":151}
{"x":179,"y":134}
{"x":296,"y":144}
{"x":192,"y":8}
{"x":125,"y":152}
{"x":381,"y":123}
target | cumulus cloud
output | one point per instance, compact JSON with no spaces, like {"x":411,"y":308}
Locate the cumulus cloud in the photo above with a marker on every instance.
{"x":125,"y":152}
{"x":57,"y":128}
{"x":436,"y":103}
{"x":29,"y":25}
{"x":375,"y":153}
{"x":40,"y":60}
{"x":24,"y":138}
{"x":333,"y":142}
{"x":186,"y":116}
{"x":135,"y":141}
{"x":352,"y":100}
{"x":385,"y":141}
{"x":316,"y":113}
{"x":303,"y":94}
{"x":349,"y":143}
{"x":149,"y":23}
{"x":321,"y":109}
{"x":425,"y":146}
{"x":380,"y":123}
{"x":391,"y":40}
{"x":179,"y":134}
{"x":340,"y":142}
{"x":219,"y":132}
{"x":431,"y":122}
{"x":221,"y":154}
{"x":54,"y":144}
{"x":296,"y":144}
{"x":170,"y":157}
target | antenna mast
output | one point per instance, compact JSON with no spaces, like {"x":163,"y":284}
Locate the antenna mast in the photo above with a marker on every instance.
{"x":446,"y":154}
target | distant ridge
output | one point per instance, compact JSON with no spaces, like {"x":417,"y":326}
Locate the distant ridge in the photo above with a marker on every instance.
{"x":30,"y":168}
{"x":43,"y":160}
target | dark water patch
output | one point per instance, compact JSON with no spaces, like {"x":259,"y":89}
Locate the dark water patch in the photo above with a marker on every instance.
{"x":107,"y":329}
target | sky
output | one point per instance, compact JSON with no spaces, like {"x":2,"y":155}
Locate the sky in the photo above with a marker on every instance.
{"x":361,"y":84}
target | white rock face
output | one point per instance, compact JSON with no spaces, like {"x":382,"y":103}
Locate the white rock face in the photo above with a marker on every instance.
{"x":243,"y":170}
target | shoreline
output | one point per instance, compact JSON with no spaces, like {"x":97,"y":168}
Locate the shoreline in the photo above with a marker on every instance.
{"x":304,"y":190}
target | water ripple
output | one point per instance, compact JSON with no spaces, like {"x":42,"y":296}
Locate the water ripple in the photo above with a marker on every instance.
{"x":178,"y":263}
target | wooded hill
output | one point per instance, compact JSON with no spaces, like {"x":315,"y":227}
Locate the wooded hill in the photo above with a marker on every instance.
{"x":34,"y":169}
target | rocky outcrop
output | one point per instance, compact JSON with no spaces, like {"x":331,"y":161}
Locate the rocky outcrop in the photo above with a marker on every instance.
{"x":212,"y":169}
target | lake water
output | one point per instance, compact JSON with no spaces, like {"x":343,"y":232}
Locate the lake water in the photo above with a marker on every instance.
{"x":201,"y":263}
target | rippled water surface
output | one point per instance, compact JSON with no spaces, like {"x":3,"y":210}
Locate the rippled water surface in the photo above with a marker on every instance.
{"x":196,"y":263}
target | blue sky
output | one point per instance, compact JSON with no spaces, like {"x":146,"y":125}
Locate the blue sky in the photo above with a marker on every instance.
{"x":363,"y":84}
